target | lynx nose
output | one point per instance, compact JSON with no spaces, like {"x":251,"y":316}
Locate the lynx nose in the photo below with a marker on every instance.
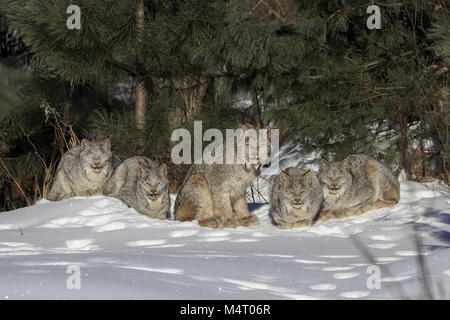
{"x":298,"y":199}
{"x":153,"y":190}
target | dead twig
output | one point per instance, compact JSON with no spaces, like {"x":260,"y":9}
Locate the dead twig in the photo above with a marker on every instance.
{"x":15,"y":182}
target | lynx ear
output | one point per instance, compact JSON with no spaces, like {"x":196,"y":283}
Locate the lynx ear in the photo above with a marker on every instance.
{"x":346,"y":164}
{"x":162,"y":169}
{"x":308,"y":177}
{"x":284,"y":177}
{"x":141,"y":171}
{"x":106,"y":143}
{"x":84,"y":144}
{"x":323,"y":164}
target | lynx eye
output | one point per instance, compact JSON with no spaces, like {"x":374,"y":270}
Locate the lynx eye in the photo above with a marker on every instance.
{"x":339,"y":178}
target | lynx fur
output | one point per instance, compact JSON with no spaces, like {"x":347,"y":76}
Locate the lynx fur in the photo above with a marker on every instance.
{"x":141,"y":185}
{"x":82,"y":170}
{"x":295,"y":198}
{"x":356,"y":185}
{"x":214,"y":194}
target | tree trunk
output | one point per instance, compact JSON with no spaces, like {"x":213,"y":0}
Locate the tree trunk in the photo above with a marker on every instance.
{"x":403,"y":144}
{"x":141,"y":103}
{"x":141,"y":91}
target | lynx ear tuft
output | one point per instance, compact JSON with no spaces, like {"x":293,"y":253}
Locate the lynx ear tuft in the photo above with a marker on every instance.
{"x":107,"y":143}
{"x":308,"y":177}
{"x":284,"y":177}
{"x":84,"y":144}
{"x":141,"y":171}
{"x":323,"y":164}
{"x":162,"y":170}
{"x":346,"y":164}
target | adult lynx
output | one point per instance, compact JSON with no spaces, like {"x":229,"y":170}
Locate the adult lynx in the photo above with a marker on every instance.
{"x":214,"y":194}
{"x":141,"y":185}
{"x":295,"y":198}
{"x":82,"y":170}
{"x":356,"y":185}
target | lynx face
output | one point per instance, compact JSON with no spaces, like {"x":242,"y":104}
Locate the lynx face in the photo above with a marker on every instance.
{"x":294,"y":192}
{"x":152,"y":182}
{"x":335,"y":177}
{"x":96,"y":158}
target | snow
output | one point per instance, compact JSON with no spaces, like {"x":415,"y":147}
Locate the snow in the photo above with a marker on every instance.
{"x":124,"y":255}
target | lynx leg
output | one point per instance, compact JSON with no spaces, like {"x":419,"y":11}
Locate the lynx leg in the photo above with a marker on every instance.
{"x":195,"y":202}
{"x":54,"y":194}
{"x":223,"y":212}
{"x":60,"y":189}
{"x":185,"y":212}
{"x":284,"y":225}
{"x":373,"y":175}
{"x":326,"y":214}
{"x":391,"y":196}
{"x":302,"y":223}
{"x":242,"y":216}
{"x":383,"y":183}
{"x":115,"y":183}
{"x":374,"y":206}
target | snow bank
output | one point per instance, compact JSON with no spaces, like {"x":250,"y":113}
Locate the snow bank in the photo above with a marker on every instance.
{"x":122,"y":254}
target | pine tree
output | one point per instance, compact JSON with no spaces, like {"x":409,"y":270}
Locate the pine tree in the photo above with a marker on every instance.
{"x":185,"y":45}
{"x":312,"y":67}
{"x":356,"y":88}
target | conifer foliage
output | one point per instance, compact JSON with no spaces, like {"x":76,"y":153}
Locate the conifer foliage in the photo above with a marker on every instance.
{"x":312,"y":68}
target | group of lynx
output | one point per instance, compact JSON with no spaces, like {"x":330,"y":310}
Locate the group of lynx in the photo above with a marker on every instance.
{"x":88,"y":169}
{"x":214,"y":194}
{"x":350,"y":187}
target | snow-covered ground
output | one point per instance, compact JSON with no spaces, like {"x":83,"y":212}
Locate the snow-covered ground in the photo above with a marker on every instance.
{"x":122,"y":254}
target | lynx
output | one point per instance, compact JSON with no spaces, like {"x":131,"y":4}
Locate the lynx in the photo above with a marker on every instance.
{"x":83,"y":170}
{"x":295,"y":198}
{"x":214,"y":194}
{"x":141,"y":185}
{"x":356,"y":185}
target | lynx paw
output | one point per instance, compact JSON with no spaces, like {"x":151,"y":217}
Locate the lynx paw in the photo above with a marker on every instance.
{"x":391,"y":197}
{"x":302,"y":224}
{"x":336,"y":214}
{"x":248,"y":221}
{"x":285,"y":225}
{"x":298,"y":224}
{"x":218,"y":223}
{"x":212,"y":223}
